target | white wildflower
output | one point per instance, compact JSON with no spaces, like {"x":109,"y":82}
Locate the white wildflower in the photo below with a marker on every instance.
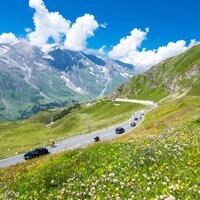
{"x":148,"y":189}
{"x":170,"y":197}
{"x":172,"y":187}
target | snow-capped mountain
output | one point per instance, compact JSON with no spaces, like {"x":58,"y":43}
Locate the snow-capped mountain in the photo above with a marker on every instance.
{"x":32,"y":80}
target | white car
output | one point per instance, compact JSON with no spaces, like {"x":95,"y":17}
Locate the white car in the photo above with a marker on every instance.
{"x":142,"y":112}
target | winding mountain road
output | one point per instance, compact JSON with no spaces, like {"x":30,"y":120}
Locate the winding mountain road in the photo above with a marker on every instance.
{"x":83,"y":140}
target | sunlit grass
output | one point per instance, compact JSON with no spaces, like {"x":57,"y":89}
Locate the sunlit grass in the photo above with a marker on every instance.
{"x":150,"y":167}
{"x":163,"y":164}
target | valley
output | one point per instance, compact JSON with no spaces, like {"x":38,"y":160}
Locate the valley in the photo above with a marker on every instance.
{"x":55,"y":125}
{"x":83,"y":140}
{"x":33,"y":80}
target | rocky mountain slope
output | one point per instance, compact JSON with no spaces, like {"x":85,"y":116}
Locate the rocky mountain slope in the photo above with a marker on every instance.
{"x":173,"y":77}
{"x":32,"y":81}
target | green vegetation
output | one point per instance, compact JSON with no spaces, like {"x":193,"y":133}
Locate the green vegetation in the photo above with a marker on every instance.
{"x":168,"y":114}
{"x":174,"y":76}
{"x":55,"y":125}
{"x":157,"y":160}
{"x":152,"y":162}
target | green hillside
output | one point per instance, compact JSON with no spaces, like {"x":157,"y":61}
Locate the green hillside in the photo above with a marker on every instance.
{"x":159,"y":160}
{"x":54,"y":125}
{"x":175,"y":76}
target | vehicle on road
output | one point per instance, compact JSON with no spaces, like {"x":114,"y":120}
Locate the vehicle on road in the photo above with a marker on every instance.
{"x":133,"y":124}
{"x":119,"y":130}
{"x":35,"y":153}
{"x":97,"y":139}
{"x":142,"y":112}
{"x":136,"y":119}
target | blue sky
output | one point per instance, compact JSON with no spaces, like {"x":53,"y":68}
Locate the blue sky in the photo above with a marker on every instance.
{"x":168,"y":21}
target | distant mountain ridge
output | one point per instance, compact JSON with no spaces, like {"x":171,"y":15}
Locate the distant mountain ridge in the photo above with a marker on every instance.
{"x":33,"y":81}
{"x":171,"y":78}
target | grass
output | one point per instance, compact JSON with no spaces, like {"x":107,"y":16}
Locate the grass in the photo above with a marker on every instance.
{"x":38,"y":131}
{"x":152,"y":162}
{"x":168,"y":114}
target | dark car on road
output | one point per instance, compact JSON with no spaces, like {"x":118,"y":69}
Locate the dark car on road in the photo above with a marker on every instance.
{"x":97,"y":139}
{"x":133,"y":124}
{"x":136,"y":119}
{"x":35,"y":153}
{"x":119,"y":130}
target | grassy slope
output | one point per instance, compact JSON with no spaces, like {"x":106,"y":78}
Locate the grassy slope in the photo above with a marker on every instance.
{"x":157,"y":160}
{"x":175,"y":75}
{"x":21,"y":136}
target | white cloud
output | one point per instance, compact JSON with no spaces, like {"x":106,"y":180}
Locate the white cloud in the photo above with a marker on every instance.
{"x":146,"y":59}
{"x":80,"y":31}
{"x":47,"y":25}
{"x":104,"y":25}
{"x":8,"y":38}
{"x":193,"y":42}
{"x":127,"y":50}
{"x":129,"y":43}
{"x":28,"y":30}
{"x":51,"y":26}
{"x":97,"y":52}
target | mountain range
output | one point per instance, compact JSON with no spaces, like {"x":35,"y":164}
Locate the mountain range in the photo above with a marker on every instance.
{"x":32,"y":80}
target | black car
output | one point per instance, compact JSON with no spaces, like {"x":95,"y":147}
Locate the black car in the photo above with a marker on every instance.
{"x":136,"y":119}
{"x":35,"y":153}
{"x":119,"y":130}
{"x":133,"y":124}
{"x":97,"y":139}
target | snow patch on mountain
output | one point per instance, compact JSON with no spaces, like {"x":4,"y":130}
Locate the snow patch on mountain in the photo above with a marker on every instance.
{"x":4,"y":49}
{"x":47,"y":56}
{"x":107,"y":78}
{"x":28,"y":76}
{"x":41,"y":66}
{"x":71,"y":85}
{"x":126,"y":75}
{"x":92,"y":73}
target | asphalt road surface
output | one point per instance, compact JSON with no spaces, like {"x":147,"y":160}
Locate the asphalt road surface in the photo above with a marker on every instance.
{"x":83,"y":140}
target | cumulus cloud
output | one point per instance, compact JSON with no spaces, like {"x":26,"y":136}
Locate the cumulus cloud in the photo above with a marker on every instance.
{"x":81,"y":30}
{"x":127,"y":50}
{"x":129,"y":43}
{"x":8,"y":38}
{"x":146,"y":59}
{"x":53,"y":27}
{"x":48,"y":25}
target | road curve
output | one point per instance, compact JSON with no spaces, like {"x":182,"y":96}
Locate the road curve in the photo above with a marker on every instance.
{"x":82,"y":140}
